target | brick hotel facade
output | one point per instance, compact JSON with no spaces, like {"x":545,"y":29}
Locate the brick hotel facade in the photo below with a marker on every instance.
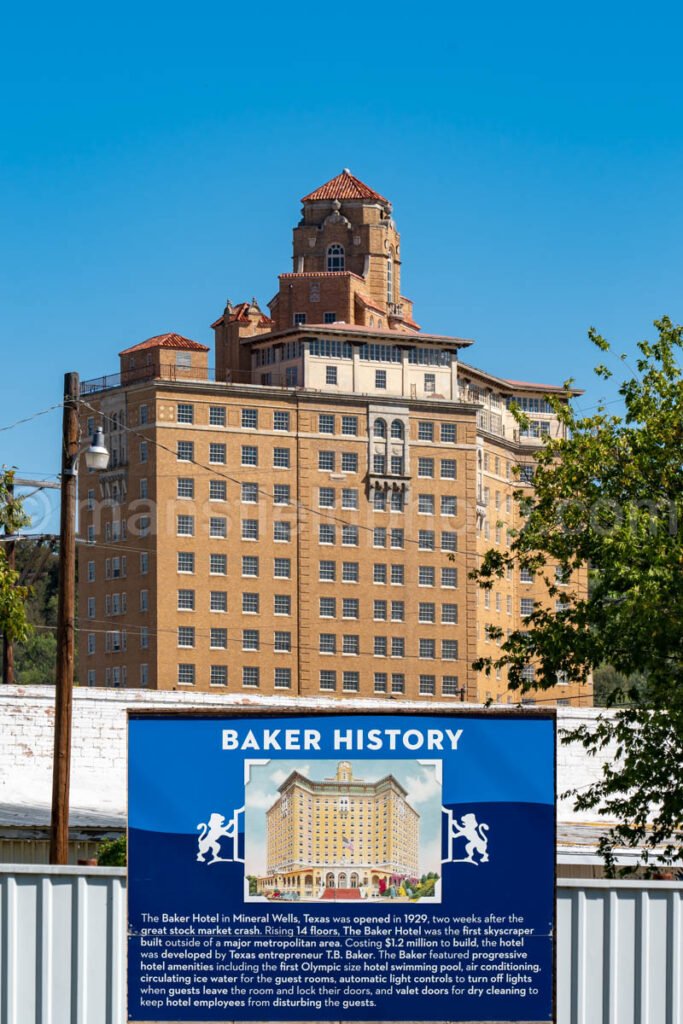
{"x":303,"y":517}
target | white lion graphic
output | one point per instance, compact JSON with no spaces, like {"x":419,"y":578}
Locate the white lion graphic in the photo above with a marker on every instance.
{"x":210,"y":838}
{"x":477,"y":840}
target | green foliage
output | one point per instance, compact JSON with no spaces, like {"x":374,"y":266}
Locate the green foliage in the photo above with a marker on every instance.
{"x":35,"y":659}
{"x":13,"y":596}
{"x":609,"y":496}
{"x":111,"y":853}
{"x":252,"y":884}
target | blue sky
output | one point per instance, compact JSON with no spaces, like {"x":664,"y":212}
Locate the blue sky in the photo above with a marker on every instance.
{"x":152,"y":158}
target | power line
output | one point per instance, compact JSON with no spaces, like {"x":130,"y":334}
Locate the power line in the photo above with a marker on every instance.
{"x":34,"y":416}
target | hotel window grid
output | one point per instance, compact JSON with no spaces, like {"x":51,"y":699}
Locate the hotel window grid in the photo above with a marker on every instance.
{"x":379,"y":610}
{"x":426,"y":575}
{"x":280,"y":420}
{"x":218,"y":638}
{"x":144,"y":638}
{"x":349,"y":426}
{"x":217,"y":453}
{"x":328,"y":607}
{"x":249,"y":419}
{"x":143,"y":451}
{"x":427,"y":686}
{"x":218,"y":527}
{"x":326,"y":533}
{"x":448,"y":433}
{"x":350,"y":608}
{"x":449,"y":541}
{"x":328,"y":679}
{"x":397,"y":501}
{"x":186,"y":675}
{"x":350,"y":536}
{"x":350,"y":572}
{"x":249,"y":455}
{"x":379,"y":537}
{"x":449,"y":614}
{"x":282,"y":604}
{"x":380,"y":682}
{"x":425,"y":467}
{"x":330,"y":374}
{"x":250,"y":529}
{"x":426,"y":647}
{"x":425,"y":504}
{"x":218,"y":565}
{"x":185,"y":526}
{"x":398,"y":647}
{"x":350,"y":644}
{"x":249,"y":493}
{"x":398,"y":576}
{"x":327,"y":643}
{"x":349,"y":462}
{"x":218,"y":675}
{"x":349,"y":498}
{"x":427,"y":612}
{"x":328,"y":317}
{"x":448,"y":469}
{"x":185,"y":413}
{"x":326,"y":461}
{"x":282,"y":678}
{"x":430,"y":383}
{"x":397,"y":465}
{"x":449,"y":577}
{"x":218,"y":601}
{"x":449,"y":686}
{"x":282,"y":568}
{"x":185,"y":636}
{"x":379,"y":501}
{"x":326,"y":497}
{"x":216,"y":416}
{"x":282,"y":642}
{"x":426,"y":540}
{"x":335,"y":257}
{"x":381,"y":380}
{"x":526,"y":575}
{"x":327,"y":570}
{"x":250,"y":676}
{"x":449,"y":650}
{"x":185,"y":487}
{"x":379,"y":573}
{"x":186,"y":600}
{"x":281,"y":458}
{"x":526,"y":606}
{"x":186,"y":561}
{"x":425,"y":431}
{"x":398,"y":611}
{"x":351,"y":682}
{"x":398,"y":682}
{"x":91,"y":572}
{"x":250,"y":603}
{"x":217,"y":490}
{"x":184,"y":451}
{"x":250,"y":640}
{"x":379,"y":464}
{"x":397,"y":430}
{"x":325,"y":423}
{"x":380,"y":647}
{"x":449,"y":505}
{"x":281,"y":531}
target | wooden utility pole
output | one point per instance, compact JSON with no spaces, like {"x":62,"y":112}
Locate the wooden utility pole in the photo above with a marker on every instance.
{"x":7,"y":645}
{"x":66,"y":613}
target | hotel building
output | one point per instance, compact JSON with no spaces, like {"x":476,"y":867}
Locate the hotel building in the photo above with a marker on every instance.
{"x":303,"y":516}
{"x":339,"y":834}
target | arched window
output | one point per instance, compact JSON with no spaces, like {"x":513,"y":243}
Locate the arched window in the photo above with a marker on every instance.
{"x":335,"y":257}
{"x":397,"y":429}
{"x":380,"y":428}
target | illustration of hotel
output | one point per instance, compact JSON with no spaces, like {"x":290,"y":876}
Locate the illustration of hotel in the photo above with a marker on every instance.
{"x":340,"y":835}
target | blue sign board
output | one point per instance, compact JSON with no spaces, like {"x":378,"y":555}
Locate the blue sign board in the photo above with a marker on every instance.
{"x":341,"y":867}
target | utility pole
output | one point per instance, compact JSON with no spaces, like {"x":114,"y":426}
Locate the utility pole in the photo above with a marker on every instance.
{"x":7,"y":646}
{"x":66,"y":612}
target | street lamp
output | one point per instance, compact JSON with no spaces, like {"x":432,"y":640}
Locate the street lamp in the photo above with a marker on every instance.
{"x":96,"y":457}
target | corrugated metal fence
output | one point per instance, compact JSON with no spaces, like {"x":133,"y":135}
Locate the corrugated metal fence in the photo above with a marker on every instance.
{"x":62,"y":948}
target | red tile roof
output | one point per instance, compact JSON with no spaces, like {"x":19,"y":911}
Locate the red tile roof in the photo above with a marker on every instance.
{"x":167,"y":341}
{"x":344,"y":186}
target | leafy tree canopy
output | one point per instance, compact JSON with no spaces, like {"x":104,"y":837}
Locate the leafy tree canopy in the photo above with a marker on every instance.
{"x":609,"y":497}
{"x":13,"y":622}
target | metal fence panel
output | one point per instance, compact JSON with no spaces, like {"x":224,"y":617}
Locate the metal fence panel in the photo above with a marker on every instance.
{"x":62,"y":948}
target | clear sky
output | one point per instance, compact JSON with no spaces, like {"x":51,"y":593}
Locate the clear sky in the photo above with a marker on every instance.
{"x":152,"y":157}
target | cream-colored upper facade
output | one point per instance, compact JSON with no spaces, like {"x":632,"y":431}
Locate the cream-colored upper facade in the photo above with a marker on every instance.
{"x":304,"y":518}
{"x":340,"y":833}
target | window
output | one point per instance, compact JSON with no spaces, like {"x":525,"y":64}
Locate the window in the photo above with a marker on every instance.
{"x":185,"y":526}
{"x":350,"y":536}
{"x":379,"y":573}
{"x":427,"y":612}
{"x":250,"y":529}
{"x":398,"y":647}
{"x":349,"y":462}
{"x":425,"y":467}
{"x":327,"y":643}
{"x":379,"y":464}
{"x":349,"y":498}
{"x":448,"y":469}
{"x":335,"y":257}
{"x":325,"y":423}
{"x":426,"y":648}
{"x":328,"y":607}
{"x":398,"y":575}
{"x":185,"y":636}
{"x":299,"y":319}
{"x":330,"y":374}
{"x":218,"y":601}
{"x":526,"y":606}
{"x":184,"y":451}
{"x":218,"y":565}
{"x":186,"y":600}
{"x":328,"y":680}
{"x":329,"y":318}
{"x":449,"y":577}
{"x":281,"y":458}
{"x":398,"y":611}
{"x":380,"y":682}
{"x":249,"y":493}
{"x":449,"y":541}
{"x":397,"y":430}
{"x":91,"y":643}
{"x":350,"y":608}
{"x":425,"y":504}
{"x":351,"y":643}
{"x":183,"y":360}
{"x":186,"y":675}
{"x":427,"y":686}
{"x":218,"y":638}
{"x":218,"y":675}
{"x":281,"y":531}
{"x":430,"y":383}
{"x":250,"y":419}
{"x":449,"y":686}
{"x":217,"y":491}
{"x":249,"y":455}
{"x":380,"y":647}
{"x":282,"y":642}
{"x":449,"y":614}
{"x":350,"y":572}
{"x":448,"y":433}
{"x":327,"y":570}
{"x":349,"y":426}
{"x":143,"y":417}
{"x":91,"y":572}
{"x":282,"y":678}
{"x":449,"y":505}
{"x":185,"y":413}
{"x":280,"y":420}
{"x":216,"y":416}
{"x":379,"y":537}
{"x":218,"y":527}
{"x":250,"y":675}
{"x":326,"y":497}
{"x":327,"y":533}
{"x":185,"y":487}
{"x":282,"y":604}
{"x":381,"y":379}
{"x":526,"y":575}
{"x":144,"y":563}
{"x":351,"y":682}
{"x":282,"y":568}
{"x":397,"y":464}
{"x":185,"y":561}
{"x":250,"y":603}
{"x":398,"y":682}
{"x":379,"y":501}
{"x":426,"y":575}
{"x":250,"y":640}
{"x":426,"y":540}
{"x":449,"y":650}
{"x":562,"y":576}
{"x":380,"y":428}
{"x":326,"y":461}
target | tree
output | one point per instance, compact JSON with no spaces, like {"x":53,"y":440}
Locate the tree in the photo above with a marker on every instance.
{"x":38,"y":565}
{"x":609,"y":497}
{"x":13,"y":621}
